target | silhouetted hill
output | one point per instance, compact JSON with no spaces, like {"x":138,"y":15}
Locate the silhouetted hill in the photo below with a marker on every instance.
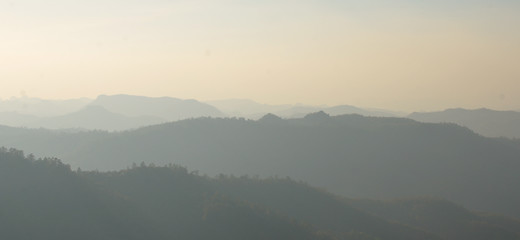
{"x":246,"y":108}
{"x":42,"y":107}
{"x":271,"y":118}
{"x":319,"y":208}
{"x":253,"y":110}
{"x":487,"y":122}
{"x":118,"y":112}
{"x":87,"y":118}
{"x":301,"y":111}
{"x":444,"y":218}
{"x":366,"y":157}
{"x":171,"y":109}
{"x":43,"y":199}
{"x":96,"y":117}
{"x":162,"y":190}
{"x":317,"y":117}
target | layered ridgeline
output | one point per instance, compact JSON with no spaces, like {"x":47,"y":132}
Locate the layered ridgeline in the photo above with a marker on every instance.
{"x":487,"y":122}
{"x":448,"y":220}
{"x":166,"y":108}
{"x":44,"y":199}
{"x":116,"y":112}
{"x":350,"y":155}
{"x":253,"y":110}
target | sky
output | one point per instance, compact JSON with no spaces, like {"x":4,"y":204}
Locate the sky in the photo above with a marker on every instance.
{"x":401,"y":55}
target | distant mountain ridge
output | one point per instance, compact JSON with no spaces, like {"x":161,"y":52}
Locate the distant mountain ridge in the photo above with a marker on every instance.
{"x":88,"y":118}
{"x":137,"y":111}
{"x":484,"y":121}
{"x":253,"y":110}
{"x":98,"y":118}
{"x":113,"y":113}
{"x":352,"y":155}
{"x":42,"y":107}
{"x":170,"y":109}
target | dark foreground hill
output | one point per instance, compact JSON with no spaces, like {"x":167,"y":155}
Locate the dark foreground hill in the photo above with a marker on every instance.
{"x":487,"y":122}
{"x":448,"y":220}
{"x":351,"y":155}
{"x":44,"y":199}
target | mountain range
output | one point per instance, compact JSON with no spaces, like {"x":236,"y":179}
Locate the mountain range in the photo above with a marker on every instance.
{"x":350,"y":155}
{"x":113,"y":113}
{"x":253,"y":110}
{"x":487,"y":122}
{"x":124,"y":112}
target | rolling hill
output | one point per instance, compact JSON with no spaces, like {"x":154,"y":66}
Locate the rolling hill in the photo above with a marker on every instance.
{"x":253,"y":110}
{"x":38,"y":107}
{"x":448,"y":220}
{"x":87,"y":118}
{"x":487,"y":122}
{"x":111,"y":113}
{"x":170,"y":109}
{"x":351,"y":155}
{"x":44,"y":199}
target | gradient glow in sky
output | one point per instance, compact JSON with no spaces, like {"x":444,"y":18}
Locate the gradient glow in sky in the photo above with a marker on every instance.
{"x":401,"y":55}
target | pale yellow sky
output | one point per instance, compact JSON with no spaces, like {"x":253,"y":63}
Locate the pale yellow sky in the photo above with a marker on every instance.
{"x":405,"y":57}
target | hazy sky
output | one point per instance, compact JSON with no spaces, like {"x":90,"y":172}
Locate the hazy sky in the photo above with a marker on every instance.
{"x":402,"y":54}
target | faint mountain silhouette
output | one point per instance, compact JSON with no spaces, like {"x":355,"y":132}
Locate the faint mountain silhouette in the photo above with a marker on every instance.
{"x":350,"y":154}
{"x":42,"y":107}
{"x":171,"y":109}
{"x":97,"y":117}
{"x":484,"y":121}
{"x":253,"y":110}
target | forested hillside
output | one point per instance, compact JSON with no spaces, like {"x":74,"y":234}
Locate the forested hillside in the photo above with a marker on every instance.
{"x":351,"y":155}
{"x":44,"y":199}
{"x":447,"y":219}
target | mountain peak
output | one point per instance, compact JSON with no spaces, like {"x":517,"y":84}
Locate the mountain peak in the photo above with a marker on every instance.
{"x":270,"y":118}
{"x":321,"y":115}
